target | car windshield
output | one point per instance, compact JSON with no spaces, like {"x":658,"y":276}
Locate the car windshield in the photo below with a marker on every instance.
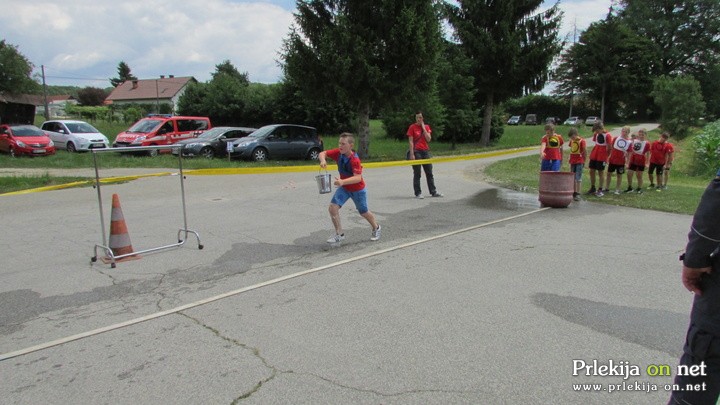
{"x":81,"y":128}
{"x":262,"y":132}
{"x":27,"y":130}
{"x":145,"y":125}
{"x":211,"y":134}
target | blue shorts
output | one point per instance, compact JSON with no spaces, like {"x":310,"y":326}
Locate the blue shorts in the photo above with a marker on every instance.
{"x":577,"y":168}
{"x":358,"y":197}
{"x":550,"y":165}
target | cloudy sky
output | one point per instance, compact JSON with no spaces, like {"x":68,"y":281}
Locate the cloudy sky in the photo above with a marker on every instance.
{"x":81,"y":42}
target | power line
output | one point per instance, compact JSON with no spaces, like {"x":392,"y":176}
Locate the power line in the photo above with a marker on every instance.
{"x":77,"y":78}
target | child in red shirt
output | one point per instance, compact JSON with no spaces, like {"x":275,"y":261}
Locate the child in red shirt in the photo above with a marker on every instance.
{"x":599,"y":156}
{"x":638,"y":159}
{"x":551,"y":153}
{"x":578,"y":155}
{"x":350,"y":185}
{"x":661,"y":156}
{"x":618,"y":158}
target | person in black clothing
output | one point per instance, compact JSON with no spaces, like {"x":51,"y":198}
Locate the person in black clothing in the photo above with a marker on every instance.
{"x":701,"y":275}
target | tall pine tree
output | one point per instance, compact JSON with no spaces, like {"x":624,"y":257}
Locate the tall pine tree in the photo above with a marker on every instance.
{"x":124,"y":74}
{"x":369,"y":54}
{"x":510,"y":45}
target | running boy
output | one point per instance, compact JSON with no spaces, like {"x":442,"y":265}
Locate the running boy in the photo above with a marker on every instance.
{"x":350,"y":185}
{"x":638,"y":160}
{"x":618,"y":158}
{"x":578,"y":155}
{"x":599,"y":157}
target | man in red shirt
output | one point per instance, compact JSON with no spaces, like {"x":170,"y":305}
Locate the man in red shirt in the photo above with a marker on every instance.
{"x":618,"y":158}
{"x":350,"y":185}
{"x":551,"y":153}
{"x":662,"y":154}
{"x":599,"y":157}
{"x":638,"y":159}
{"x":419,"y":134}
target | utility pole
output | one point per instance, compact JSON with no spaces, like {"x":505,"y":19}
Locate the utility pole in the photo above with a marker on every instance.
{"x":47,"y":112}
{"x":572,"y":90}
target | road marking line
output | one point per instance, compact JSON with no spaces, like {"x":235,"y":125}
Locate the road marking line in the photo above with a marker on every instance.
{"x":156,"y":315}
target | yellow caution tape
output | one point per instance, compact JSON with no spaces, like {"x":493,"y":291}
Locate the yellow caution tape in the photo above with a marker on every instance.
{"x":274,"y":169}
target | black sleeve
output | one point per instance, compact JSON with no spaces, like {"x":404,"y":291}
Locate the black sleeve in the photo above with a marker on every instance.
{"x":705,"y":232}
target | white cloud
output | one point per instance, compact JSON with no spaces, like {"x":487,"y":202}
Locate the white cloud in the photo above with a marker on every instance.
{"x":88,"y":38}
{"x":580,"y":14}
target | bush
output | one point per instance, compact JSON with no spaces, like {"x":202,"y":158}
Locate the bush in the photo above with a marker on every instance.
{"x":707,"y":149}
{"x":681,"y":103}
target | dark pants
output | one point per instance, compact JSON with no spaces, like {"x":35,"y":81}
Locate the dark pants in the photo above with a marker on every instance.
{"x":423,"y":154}
{"x":700,"y":346}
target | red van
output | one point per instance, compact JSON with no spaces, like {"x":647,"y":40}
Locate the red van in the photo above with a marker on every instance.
{"x":161,"y":130}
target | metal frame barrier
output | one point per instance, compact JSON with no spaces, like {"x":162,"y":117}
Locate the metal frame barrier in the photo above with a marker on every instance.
{"x":181,"y":241}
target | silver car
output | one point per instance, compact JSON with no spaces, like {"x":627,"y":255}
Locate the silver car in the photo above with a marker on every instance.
{"x":75,"y":136}
{"x":590,"y":121}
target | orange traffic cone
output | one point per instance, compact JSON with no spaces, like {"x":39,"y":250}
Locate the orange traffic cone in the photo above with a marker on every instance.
{"x":119,"y":241}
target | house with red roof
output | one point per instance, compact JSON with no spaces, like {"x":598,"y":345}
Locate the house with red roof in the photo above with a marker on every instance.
{"x":163,"y":90}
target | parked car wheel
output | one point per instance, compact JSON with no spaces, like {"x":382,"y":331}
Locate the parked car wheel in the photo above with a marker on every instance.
{"x":313,"y":154}
{"x":71,"y":147}
{"x":152,"y":152}
{"x":207,"y":152}
{"x":12,"y":152}
{"x":260,"y":155}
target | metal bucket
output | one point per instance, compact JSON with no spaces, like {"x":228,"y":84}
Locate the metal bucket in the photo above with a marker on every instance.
{"x":324,"y":182}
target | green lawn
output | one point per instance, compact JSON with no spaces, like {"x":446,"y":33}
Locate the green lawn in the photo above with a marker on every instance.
{"x":683,"y":194}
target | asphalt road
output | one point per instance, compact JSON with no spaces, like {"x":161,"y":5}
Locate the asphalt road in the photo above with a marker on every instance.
{"x":477,"y":297}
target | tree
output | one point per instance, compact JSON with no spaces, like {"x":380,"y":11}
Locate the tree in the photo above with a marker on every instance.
{"x":684,"y":32}
{"x":15,"y":71}
{"x":680,"y":101}
{"x":510,"y":47}
{"x":124,"y":75}
{"x":226,"y":93}
{"x":91,"y":96}
{"x":369,"y":54}
{"x":610,"y":63}
{"x":684,"y":35}
{"x":458,"y":96}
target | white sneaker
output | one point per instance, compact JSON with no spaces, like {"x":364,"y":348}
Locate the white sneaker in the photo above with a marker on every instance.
{"x":419,"y":196}
{"x":617,"y":192}
{"x":336,"y":239}
{"x":376,"y":233}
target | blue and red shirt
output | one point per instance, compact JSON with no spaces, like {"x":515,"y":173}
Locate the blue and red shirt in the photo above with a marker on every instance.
{"x":348,"y":167}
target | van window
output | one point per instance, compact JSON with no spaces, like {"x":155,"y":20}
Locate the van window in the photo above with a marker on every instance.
{"x":145,"y":126}
{"x":191,"y":125}
{"x":166,"y":128}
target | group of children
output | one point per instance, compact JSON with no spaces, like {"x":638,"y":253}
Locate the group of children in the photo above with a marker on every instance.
{"x":626,"y":153}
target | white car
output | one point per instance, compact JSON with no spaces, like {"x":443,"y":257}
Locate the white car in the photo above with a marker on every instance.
{"x":75,"y":136}
{"x":590,"y":121}
{"x":573,"y":121}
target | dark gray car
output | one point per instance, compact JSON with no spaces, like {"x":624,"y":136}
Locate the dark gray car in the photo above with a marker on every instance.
{"x":280,"y":141}
{"x":212,"y":142}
